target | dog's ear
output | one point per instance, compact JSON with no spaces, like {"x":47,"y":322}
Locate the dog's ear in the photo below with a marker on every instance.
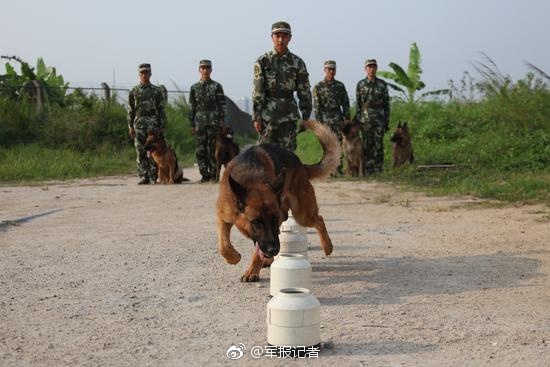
{"x":399,"y":125}
{"x":405,"y":126}
{"x":239,"y":191}
{"x":279,"y":182}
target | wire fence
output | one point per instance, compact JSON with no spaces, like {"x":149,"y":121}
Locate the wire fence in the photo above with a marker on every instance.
{"x":41,"y":95}
{"x":39,"y":92}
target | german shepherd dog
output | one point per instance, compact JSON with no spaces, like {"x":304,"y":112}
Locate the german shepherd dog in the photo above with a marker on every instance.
{"x":258,"y":188}
{"x":402,"y":145}
{"x":353,"y":148}
{"x":226,"y":149}
{"x":165,"y":158}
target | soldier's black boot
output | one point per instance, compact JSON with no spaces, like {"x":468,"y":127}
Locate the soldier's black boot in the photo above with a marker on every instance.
{"x":144,"y":181}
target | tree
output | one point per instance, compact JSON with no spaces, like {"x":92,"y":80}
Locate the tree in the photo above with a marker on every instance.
{"x":408,"y":83}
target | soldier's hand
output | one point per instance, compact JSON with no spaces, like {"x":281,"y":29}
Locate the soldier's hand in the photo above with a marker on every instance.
{"x":258,"y":126}
{"x":132,"y":132}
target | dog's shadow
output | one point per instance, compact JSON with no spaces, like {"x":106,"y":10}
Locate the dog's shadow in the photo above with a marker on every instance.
{"x":391,"y":280}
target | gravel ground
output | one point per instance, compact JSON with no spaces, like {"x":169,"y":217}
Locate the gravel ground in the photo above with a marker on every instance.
{"x":103,"y":272}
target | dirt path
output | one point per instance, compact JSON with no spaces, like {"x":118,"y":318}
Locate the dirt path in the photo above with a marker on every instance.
{"x":107,"y":273}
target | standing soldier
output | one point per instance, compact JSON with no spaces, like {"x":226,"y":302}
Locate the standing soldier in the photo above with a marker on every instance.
{"x":206,"y":114}
{"x":373,"y":111}
{"x":145,"y":114}
{"x":277,"y":75}
{"x":331,"y":101}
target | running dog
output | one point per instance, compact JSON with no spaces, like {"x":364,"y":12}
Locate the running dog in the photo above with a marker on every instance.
{"x":402,"y":145}
{"x":165,"y":158}
{"x":258,"y":188}
{"x":226,"y":149}
{"x":353,"y":148}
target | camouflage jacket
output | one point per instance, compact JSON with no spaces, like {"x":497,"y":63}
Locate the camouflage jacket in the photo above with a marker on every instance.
{"x":207,"y":104}
{"x":276,"y":78}
{"x":146,"y":102}
{"x":373,"y":101}
{"x":331,"y":101}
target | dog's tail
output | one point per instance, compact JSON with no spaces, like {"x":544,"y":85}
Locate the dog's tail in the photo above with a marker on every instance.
{"x":331,"y":150}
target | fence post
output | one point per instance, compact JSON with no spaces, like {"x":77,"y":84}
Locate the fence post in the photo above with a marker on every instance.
{"x":107,"y":92}
{"x":164,"y":92}
{"x":40,"y":95}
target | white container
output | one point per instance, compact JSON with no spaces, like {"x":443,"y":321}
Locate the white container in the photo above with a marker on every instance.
{"x":289,"y":271}
{"x":290,"y":225}
{"x":293,"y":243}
{"x":294,"y":319}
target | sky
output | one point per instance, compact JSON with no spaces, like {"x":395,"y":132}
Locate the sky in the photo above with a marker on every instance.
{"x":90,"y":42}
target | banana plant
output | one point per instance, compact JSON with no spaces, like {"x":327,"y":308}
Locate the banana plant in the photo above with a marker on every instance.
{"x":12,"y":82}
{"x":409,"y":82}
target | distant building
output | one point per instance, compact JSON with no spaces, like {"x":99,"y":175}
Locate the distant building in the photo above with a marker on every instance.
{"x":245,"y":105}
{"x":240,"y":121}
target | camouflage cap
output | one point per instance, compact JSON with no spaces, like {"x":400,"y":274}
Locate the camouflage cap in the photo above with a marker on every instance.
{"x":280,"y":27}
{"x":371,"y":62}
{"x":144,"y":67}
{"x":330,"y":64}
{"x":206,"y":63}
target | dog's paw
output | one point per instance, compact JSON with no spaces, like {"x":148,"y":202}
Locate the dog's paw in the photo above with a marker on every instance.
{"x":232,"y":258}
{"x":248,"y":277}
{"x":328,"y":249}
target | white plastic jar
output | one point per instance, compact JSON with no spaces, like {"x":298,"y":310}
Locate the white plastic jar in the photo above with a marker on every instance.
{"x":289,"y":271}
{"x":294,"y":319}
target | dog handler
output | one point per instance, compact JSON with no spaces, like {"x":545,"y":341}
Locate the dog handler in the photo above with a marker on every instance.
{"x":277,"y":75}
{"x":331,"y":101}
{"x":373,"y":112}
{"x":206,"y":115}
{"x":145,"y":113}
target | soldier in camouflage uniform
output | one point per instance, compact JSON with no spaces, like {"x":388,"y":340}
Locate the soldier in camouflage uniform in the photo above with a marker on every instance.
{"x":373,"y":112}
{"x":331,"y":102}
{"x":277,"y":75}
{"x":145,"y":113}
{"x":206,"y":115}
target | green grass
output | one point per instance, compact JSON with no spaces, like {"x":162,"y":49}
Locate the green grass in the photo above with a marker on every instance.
{"x":32,"y":163}
{"x":496,"y":154}
{"x":521,"y":187}
{"x":308,"y":148}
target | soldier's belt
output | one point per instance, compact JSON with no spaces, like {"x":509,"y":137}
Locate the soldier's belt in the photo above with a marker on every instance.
{"x":331,"y":110}
{"x":149,"y":114}
{"x":280,"y":94}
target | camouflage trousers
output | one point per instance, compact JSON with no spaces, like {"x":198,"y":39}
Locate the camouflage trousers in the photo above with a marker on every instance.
{"x":373,"y":146}
{"x":282,"y":134}
{"x":205,"y":149}
{"x":146,"y":167}
{"x":336,"y":127}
